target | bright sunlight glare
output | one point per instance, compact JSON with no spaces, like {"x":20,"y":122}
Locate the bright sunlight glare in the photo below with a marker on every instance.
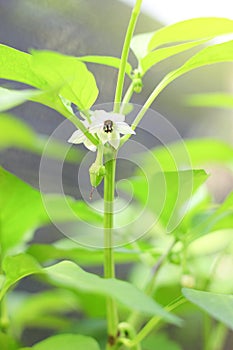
{"x":169,"y":11}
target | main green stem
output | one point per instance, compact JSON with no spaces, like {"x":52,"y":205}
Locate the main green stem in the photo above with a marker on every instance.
{"x":109,"y":266}
{"x":124,"y":55}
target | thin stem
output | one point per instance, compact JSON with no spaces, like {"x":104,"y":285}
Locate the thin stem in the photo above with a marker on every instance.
{"x":4,"y":320}
{"x":151,"y":285}
{"x":127,"y":97}
{"x":206,"y":331}
{"x":148,"y":103}
{"x":151,"y":324}
{"x":136,"y":318}
{"x":217,"y":337}
{"x":81,"y":127}
{"x":125,"y":54}
{"x":109,"y":266}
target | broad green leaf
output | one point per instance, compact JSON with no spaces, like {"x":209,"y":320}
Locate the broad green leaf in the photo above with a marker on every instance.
{"x":23,"y":73}
{"x":22,"y":211}
{"x":160,"y":341}
{"x":53,"y":100}
{"x":139,"y":44}
{"x":12,"y":98}
{"x":107,"y":61}
{"x":60,"y":208}
{"x":160,"y":54}
{"x":17,"y":267}
{"x":36,"y":310}
{"x":220,"y":100}
{"x":20,"y":206}
{"x":188,"y":153}
{"x":192,"y":29}
{"x":209,"y":55}
{"x":167,"y":194}
{"x":16,"y":65}
{"x":211,"y":244}
{"x":212,"y":220}
{"x":68,"y":74}
{"x":219,"y":306}
{"x":72,"y":276}
{"x":67,"y":249}
{"x":16,"y":133}
{"x":53,"y":73}
{"x":67,"y":341}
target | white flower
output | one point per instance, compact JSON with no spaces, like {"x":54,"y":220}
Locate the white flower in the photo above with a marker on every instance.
{"x":79,"y":137}
{"x":109,"y":126}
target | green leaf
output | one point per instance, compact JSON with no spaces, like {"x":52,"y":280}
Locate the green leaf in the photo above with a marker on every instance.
{"x":67,"y":249}
{"x":221,"y":100}
{"x":213,"y":220}
{"x":139,"y":44}
{"x":167,"y":194}
{"x":188,"y":153}
{"x":16,"y":133}
{"x":192,"y":29}
{"x":54,"y":74}
{"x":209,"y":55}
{"x":107,"y":61}
{"x":196,"y":31}
{"x":16,"y":65}
{"x":67,"y":74}
{"x":22,"y":211}
{"x":160,"y":54}
{"x":20,"y":206}
{"x":159,"y":341}
{"x":36,"y":310}
{"x":12,"y":98}
{"x":64,"y":341}
{"x":17,"y":267}
{"x":60,"y":208}
{"x":219,"y":306}
{"x":72,"y":276}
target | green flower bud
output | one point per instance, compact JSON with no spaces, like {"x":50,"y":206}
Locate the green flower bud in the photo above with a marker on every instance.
{"x":97,"y":173}
{"x":174,"y":258}
{"x":137,"y":85}
{"x":187,"y":281}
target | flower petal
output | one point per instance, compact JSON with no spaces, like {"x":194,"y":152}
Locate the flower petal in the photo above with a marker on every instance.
{"x":114,"y":139}
{"x":100,"y":115}
{"x":116,"y":117}
{"x":124,"y":128}
{"x":89,"y":145}
{"x":96,"y":127}
{"x":77,"y":137}
{"x":103,"y":136}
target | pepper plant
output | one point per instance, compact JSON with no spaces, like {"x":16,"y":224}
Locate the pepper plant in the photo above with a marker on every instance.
{"x":173,"y":262}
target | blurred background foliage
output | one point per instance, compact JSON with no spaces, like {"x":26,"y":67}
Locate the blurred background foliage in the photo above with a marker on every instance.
{"x":78,"y":27}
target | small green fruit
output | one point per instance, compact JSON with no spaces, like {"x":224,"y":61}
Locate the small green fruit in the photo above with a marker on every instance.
{"x":97,"y":173}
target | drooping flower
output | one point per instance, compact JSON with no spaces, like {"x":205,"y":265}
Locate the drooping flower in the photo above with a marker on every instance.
{"x":78,"y":137}
{"x":109,"y":126}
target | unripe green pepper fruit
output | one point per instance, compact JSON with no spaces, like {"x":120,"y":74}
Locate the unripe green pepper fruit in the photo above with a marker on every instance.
{"x":97,"y":173}
{"x":137,"y":85}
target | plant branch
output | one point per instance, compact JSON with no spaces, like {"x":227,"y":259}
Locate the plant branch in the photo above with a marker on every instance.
{"x":125,"y":54}
{"x":152,"y":323}
{"x":135,"y":318}
{"x":109,"y":266}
